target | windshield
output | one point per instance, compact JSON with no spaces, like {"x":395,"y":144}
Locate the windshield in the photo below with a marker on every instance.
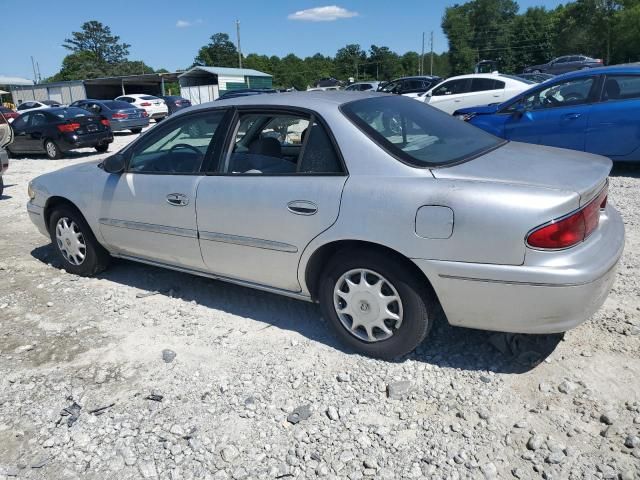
{"x":71,"y":112}
{"x":149,"y":97}
{"x":417,"y":133}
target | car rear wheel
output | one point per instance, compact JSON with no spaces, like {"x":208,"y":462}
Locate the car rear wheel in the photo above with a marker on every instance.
{"x":102,"y":148}
{"x":136,"y":130}
{"x":75,"y":243}
{"x":376,"y":305}
{"x":52,"y":150}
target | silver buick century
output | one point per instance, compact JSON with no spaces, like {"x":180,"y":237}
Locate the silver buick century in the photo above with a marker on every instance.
{"x":376,"y":206}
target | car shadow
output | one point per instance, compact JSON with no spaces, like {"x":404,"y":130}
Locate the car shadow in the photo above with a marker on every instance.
{"x":625,"y":170}
{"x":446,"y":346}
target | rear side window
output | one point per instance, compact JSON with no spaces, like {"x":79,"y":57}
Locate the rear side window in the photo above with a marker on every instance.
{"x":416,"y":133}
{"x":453,"y":87}
{"x":116,"y":104}
{"x":483,"y":84}
{"x":621,"y":87}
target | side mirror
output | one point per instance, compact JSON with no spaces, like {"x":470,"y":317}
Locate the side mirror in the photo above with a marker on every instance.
{"x":114,"y":163}
{"x":519,"y":111}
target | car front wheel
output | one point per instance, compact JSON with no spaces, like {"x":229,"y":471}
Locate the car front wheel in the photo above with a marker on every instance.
{"x":376,"y":305}
{"x":52,"y":150}
{"x":102,"y":148}
{"x":75,"y":243}
{"x":136,"y":130}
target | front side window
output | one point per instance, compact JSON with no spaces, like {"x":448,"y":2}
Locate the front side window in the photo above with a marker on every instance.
{"x":417,"y":133}
{"x":453,"y":87}
{"x":391,"y":87}
{"x":568,"y":93}
{"x":621,"y":87}
{"x":22,"y":121}
{"x":275,"y":144}
{"x":180,"y":147}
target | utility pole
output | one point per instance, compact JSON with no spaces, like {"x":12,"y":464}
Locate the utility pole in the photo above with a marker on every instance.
{"x":421,"y":65}
{"x":35,"y":75}
{"x":38,"y":70}
{"x":431,"y":56}
{"x":239,"y":49}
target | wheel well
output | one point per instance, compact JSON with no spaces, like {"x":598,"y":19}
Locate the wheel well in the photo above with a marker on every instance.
{"x":321,"y":257}
{"x":54,"y":202}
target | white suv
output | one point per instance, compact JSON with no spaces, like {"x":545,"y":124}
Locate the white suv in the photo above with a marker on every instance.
{"x":155,"y":107}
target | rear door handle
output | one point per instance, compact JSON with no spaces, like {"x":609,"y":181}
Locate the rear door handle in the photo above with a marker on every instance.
{"x":177,"y":199}
{"x":302,"y":207}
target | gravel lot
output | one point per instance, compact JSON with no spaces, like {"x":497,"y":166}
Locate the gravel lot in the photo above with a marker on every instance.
{"x":148,"y":373}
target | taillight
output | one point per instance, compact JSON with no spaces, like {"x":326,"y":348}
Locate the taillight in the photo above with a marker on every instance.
{"x":598,"y":60}
{"x":570,"y":230}
{"x":119,"y":116}
{"x":68,"y":127}
{"x":145,"y":104}
{"x":105,"y":122}
{"x":177,"y":103}
{"x":145,"y":114}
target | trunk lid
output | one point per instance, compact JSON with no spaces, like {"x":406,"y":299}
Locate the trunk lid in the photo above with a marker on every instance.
{"x":537,"y":166}
{"x":88,"y":124}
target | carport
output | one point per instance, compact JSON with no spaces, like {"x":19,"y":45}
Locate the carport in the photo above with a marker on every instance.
{"x":106,"y":88}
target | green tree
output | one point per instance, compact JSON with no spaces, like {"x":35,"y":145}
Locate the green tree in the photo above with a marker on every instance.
{"x":348,"y":61}
{"x":220,"y":52}
{"x":383,"y":64}
{"x":96,"y":38}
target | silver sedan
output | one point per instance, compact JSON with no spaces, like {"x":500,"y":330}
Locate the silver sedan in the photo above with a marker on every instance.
{"x":376,"y":206}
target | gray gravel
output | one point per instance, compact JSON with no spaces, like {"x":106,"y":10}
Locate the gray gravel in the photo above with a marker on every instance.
{"x":467,"y":404}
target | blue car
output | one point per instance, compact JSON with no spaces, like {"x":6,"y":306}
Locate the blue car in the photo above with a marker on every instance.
{"x":596,"y":111}
{"x":122,"y":115}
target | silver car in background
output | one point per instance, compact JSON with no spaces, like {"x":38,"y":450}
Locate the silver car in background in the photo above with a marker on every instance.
{"x":376,"y":206}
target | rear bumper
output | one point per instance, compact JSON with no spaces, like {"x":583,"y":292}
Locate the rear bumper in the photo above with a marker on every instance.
{"x":71,"y":142}
{"x":553,"y":291}
{"x":129,"y":124}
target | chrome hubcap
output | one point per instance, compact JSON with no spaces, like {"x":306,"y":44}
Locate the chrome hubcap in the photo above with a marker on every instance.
{"x":70,"y":241}
{"x":368,"y":305}
{"x":51,"y":149}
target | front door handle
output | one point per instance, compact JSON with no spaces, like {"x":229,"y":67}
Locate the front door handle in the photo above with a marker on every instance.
{"x":302,"y":207}
{"x":177,"y":199}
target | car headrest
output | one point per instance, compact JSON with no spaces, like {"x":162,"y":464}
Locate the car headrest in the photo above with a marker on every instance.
{"x":268,"y":146}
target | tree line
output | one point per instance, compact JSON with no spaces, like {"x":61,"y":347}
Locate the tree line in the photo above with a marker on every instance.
{"x":476,"y":30}
{"x":494,"y":30}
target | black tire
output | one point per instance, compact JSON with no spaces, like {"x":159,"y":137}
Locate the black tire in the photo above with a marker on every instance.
{"x":96,"y":258}
{"x":136,"y":130}
{"x":102,"y":148}
{"x":417,"y":302}
{"x":1,"y":186}
{"x":52,"y":150}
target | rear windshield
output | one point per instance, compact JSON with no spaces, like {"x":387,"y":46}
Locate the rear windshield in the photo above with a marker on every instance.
{"x":117,"y":105}
{"x":515,"y":77}
{"x":71,"y":112}
{"x":149,"y":97}
{"x":416,"y":133}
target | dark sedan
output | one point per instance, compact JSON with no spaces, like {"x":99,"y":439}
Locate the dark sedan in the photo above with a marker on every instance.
{"x":565,"y":64}
{"x":175,"y":103}
{"x":57,"y":130}
{"x":122,"y":115}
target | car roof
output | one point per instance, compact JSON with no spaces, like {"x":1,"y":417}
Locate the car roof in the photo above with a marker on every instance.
{"x":138,"y":95}
{"x":420,"y":77}
{"x":629,"y":68}
{"x":315,"y":100}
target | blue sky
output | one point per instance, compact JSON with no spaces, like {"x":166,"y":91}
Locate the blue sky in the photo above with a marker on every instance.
{"x":169,"y":33}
